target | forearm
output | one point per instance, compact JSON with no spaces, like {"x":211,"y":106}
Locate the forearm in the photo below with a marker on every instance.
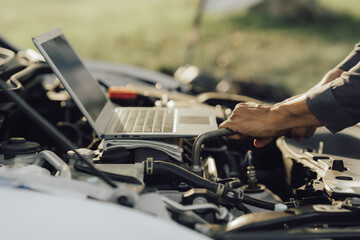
{"x":337,"y":104}
{"x":293,"y":113}
{"x":289,"y":99}
{"x":298,"y":116}
{"x":330,"y":76}
{"x":294,"y":110}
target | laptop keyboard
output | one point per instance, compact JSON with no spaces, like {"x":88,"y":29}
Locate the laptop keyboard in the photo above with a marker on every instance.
{"x":144,"y":120}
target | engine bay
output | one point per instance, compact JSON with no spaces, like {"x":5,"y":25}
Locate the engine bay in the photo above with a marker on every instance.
{"x":213,"y":185}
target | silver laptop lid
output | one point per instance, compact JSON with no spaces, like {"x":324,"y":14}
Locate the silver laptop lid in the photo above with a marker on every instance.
{"x":77,"y":79}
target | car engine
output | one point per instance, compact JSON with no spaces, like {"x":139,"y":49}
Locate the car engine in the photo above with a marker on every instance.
{"x":213,"y":185}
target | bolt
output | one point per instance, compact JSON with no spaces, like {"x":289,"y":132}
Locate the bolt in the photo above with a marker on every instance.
{"x":252,"y":181}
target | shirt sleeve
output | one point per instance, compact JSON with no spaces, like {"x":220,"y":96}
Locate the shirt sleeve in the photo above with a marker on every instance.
{"x":337,"y":104}
{"x":351,"y":60}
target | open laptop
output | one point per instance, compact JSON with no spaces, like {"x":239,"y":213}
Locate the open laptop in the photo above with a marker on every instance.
{"x":110,"y":121}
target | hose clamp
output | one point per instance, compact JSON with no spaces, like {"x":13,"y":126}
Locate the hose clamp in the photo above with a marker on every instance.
{"x":149,"y":166}
{"x":241,"y":195}
{"x":220,"y":189}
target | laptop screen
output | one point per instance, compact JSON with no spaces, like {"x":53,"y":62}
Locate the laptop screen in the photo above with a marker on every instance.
{"x":76,"y":75}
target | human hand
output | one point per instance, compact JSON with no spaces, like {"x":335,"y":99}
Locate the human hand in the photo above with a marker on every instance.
{"x":300,"y":132}
{"x":295,"y":133}
{"x":251,"y":120}
{"x":263,"y":123}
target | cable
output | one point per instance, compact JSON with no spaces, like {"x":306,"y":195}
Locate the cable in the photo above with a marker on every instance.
{"x":52,"y":131}
{"x":170,"y":169}
{"x":268,"y":205}
{"x":258,"y":203}
{"x":242,"y":207}
{"x":116,"y":177}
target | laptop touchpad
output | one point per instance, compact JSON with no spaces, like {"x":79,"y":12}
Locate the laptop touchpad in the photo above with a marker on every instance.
{"x":194,"y":120}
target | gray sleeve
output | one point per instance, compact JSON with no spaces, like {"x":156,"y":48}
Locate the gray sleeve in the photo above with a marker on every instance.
{"x":337,"y":104}
{"x":351,"y":60}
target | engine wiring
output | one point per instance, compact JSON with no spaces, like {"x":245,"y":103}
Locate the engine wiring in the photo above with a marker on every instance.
{"x":52,"y":131}
{"x":153,"y":167}
{"x":224,"y":195}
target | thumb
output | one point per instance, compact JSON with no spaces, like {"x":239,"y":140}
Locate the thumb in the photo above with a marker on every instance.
{"x":261,"y":142}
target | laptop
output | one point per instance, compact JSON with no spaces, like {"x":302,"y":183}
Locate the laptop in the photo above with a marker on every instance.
{"x":108,"y":120}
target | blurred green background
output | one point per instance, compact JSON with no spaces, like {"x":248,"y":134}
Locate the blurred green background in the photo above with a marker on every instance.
{"x":291,"y":48}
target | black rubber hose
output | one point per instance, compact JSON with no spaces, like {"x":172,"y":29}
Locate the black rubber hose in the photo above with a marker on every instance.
{"x":264,"y":204}
{"x":175,"y":171}
{"x":240,"y":206}
{"x":201,"y":138}
{"x":258,"y":203}
{"x":172,"y":170}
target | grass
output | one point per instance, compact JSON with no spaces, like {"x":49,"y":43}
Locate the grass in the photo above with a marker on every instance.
{"x":153,"y":34}
{"x":144,"y":33}
{"x":297,"y":55}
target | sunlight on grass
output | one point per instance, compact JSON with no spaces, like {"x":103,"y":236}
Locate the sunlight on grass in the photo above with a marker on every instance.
{"x":297,"y":60}
{"x":153,"y":34}
{"x":136,"y":32}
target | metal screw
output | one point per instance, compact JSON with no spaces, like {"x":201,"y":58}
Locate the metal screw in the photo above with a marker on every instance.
{"x":252,"y":180}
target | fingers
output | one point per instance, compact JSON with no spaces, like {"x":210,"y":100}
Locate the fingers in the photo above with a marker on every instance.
{"x":310,"y":132}
{"x":250,"y":119}
{"x":300,"y":132}
{"x":240,"y":137}
{"x":262,"y":123}
{"x":262,"y":142}
{"x":224,"y":124}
